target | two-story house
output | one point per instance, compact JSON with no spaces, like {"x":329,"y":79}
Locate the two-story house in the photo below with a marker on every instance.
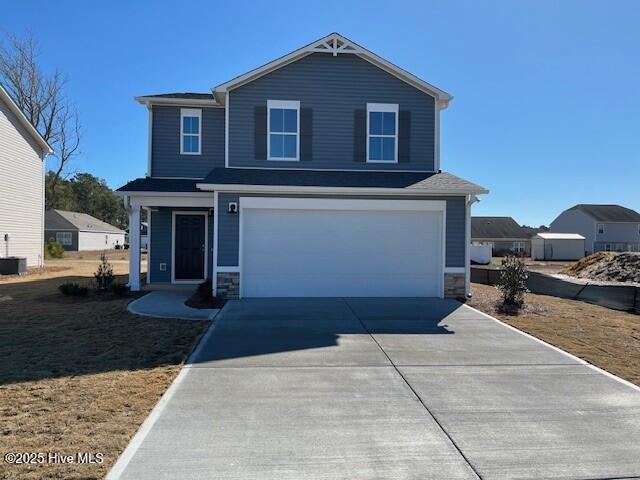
{"x":606,"y":228}
{"x":22,"y":164}
{"x":317,"y":174}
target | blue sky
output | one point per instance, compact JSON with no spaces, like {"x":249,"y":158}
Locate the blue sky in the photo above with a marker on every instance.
{"x":546,"y":111}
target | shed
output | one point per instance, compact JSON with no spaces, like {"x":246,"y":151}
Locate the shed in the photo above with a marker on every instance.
{"x":79,"y":231}
{"x":557,"y":246}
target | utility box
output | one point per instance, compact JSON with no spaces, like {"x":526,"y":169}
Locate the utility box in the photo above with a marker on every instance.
{"x":13,"y":265}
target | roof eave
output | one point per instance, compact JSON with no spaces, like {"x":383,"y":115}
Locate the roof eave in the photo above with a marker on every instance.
{"x":337,"y":190}
{"x":184,"y":102}
{"x":22,"y":118}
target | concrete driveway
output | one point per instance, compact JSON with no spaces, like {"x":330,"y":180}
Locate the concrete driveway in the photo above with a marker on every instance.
{"x":379,"y":389}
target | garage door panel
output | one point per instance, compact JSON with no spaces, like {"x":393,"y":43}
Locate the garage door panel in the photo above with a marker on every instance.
{"x":341,"y":253}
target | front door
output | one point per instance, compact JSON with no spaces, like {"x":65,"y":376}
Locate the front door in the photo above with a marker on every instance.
{"x":189,"y":247}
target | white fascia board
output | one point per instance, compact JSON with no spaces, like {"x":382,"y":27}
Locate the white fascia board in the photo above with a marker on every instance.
{"x":163,"y":194}
{"x":332,"y":190}
{"x":22,"y":118}
{"x":164,"y":201}
{"x":442,"y":97}
{"x":183,"y":102}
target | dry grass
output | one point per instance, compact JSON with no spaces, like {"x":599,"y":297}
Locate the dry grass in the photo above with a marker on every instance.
{"x":606,"y":338}
{"x":79,"y":375}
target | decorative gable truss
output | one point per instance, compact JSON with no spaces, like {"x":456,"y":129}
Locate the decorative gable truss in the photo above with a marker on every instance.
{"x":335,"y":45}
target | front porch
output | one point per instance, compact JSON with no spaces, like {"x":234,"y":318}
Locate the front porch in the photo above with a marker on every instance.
{"x":181,"y":239}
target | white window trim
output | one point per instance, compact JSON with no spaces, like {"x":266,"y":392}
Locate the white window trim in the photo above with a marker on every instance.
{"x":289,"y":105}
{"x":598,"y":228}
{"x":66,"y":235}
{"x":190,"y":112}
{"x":383,"y":107}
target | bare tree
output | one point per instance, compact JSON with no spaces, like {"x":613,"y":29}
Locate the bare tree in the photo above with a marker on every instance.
{"x":42,"y":98}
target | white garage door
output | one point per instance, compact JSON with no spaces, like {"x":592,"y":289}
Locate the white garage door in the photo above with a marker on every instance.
{"x":341,"y":248}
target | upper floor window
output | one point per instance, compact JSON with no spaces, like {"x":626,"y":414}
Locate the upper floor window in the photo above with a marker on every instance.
{"x":382,"y":132}
{"x":600,"y":228}
{"x":190,"y":128}
{"x":283,"y":127}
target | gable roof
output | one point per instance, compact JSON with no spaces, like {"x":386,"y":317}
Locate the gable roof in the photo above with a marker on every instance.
{"x":559,"y":236}
{"x":65,"y":220}
{"x":496,"y":227}
{"x":24,"y":121}
{"x":335,"y":44}
{"x":608,"y":213}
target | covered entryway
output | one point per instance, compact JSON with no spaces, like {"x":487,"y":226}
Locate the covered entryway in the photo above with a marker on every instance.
{"x":292,"y":247}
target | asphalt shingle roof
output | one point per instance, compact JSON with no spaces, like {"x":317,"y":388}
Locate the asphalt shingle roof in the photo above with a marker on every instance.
{"x":65,"y":220}
{"x":608,"y":213}
{"x":496,"y":227}
{"x":434,"y":182}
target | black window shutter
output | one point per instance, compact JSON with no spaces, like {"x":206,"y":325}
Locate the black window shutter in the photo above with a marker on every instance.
{"x":360,"y":136}
{"x":306,"y":129}
{"x":260,"y":132}
{"x":404,"y":136}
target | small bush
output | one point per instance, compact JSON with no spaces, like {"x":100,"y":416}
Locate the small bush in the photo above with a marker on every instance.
{"x":73,"y":290}
{"x":205,"y":290}
{"x":513,"y":281}
{"x":53,"y":249}
{"x":120,"y":289}
{"x":104,"y":276}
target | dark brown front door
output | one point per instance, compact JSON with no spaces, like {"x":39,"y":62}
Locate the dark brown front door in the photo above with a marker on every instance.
{"x":189,"y":247}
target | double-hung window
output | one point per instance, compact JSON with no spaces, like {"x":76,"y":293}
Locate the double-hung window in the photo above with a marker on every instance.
{"x":283,"y":127}
{"x":601,"y":228}
{"x":64,"y":238}
{"x":382,"y":132}
{"x":190,"y":129}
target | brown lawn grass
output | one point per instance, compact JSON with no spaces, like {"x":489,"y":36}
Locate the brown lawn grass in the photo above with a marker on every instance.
{"x":79,"y":375}
{"x":606,"y":338}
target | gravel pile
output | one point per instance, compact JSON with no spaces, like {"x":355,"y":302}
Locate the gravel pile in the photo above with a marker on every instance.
{"x":610,"y":267}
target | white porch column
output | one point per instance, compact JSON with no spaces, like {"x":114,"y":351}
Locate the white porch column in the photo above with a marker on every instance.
{"x":471,"y":199}
{"x":134,"y":247}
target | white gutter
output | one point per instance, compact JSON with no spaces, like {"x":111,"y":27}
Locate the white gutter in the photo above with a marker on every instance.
{"x":241,"y":188}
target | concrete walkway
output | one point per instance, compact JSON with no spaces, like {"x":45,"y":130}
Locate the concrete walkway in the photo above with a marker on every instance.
{"x":383,"y":388}
{"x":169,"y":304}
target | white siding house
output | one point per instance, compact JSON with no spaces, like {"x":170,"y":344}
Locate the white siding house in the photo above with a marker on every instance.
{"x":22,"y":153}
{"x":77,"y":231}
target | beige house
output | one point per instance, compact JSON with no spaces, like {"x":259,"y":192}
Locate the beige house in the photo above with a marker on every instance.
{"x":22,"y":153}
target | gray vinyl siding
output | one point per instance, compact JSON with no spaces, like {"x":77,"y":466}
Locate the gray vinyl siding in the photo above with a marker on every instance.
{"x":160,"y":242}
{"x":228,"y":228}
{"x":333,"y":88}
{"x":21,"y":190}
{"x":74,"y":239}
{"x":166,"y":160}
{"x":575,"y":221}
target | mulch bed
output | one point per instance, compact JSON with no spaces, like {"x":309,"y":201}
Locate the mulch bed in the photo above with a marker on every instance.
{"x":196,"y":301}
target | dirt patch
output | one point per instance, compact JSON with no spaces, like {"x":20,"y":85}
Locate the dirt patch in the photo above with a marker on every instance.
{"x":608,"y":267}
{"x":79,"y":375}
{"x":606,"y":338}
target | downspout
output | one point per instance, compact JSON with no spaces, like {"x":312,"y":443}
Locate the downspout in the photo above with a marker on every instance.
{"x":470,"y":200}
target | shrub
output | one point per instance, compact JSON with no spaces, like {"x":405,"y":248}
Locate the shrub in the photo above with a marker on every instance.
{"x":53,"y":249}
{"x":205,"y":290}
{"x":513,"y":281}
{"x":120,"y":289}
{"x":73,"y":290}
{"x":104,"y":276}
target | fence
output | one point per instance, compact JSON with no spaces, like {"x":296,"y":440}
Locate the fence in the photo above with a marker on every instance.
{"x":617,"y":297}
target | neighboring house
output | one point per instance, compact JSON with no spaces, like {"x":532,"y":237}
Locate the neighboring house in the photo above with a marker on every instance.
{"x":79,"y":231}
{"x":502,"y":233}
{"x":317,"y":174}
{"x":22,"y":153}
{"x":606,"y":228}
